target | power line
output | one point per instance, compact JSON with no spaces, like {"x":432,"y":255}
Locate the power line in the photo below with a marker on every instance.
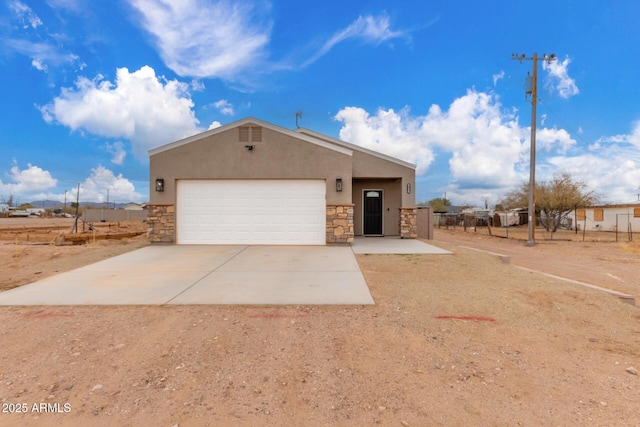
{"x":531,"y":88}
{"x":568,"y":126}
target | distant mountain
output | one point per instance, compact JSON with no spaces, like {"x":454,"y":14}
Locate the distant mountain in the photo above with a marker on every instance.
{"x":47,"y":204}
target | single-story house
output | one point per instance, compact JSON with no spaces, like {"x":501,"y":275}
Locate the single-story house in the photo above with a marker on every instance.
{"x":252,"y":182}
{"x":133,"y":207}
{"x":620,"y":217}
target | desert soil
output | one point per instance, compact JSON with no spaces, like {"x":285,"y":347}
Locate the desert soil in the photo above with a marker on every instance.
{"x":461,"y":339}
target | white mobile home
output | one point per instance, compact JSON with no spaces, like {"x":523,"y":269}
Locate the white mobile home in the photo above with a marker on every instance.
{"x":622,"y":218}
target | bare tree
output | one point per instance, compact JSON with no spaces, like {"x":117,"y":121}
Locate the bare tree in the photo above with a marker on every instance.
{"x":555,"y":199}
{"x":9,"y":200}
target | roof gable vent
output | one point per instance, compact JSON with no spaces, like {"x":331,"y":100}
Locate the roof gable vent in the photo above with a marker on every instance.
{"x":250,"y":134}
{"x":256,"y":134}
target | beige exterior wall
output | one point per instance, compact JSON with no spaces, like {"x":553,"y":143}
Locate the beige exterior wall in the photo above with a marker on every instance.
{"x":391,"y":202}
{"x":424,"y":218}
{"x":101,"y":214}
{"x":278,"y":156}
{"x":373,"y":173}
{"x":284,"y":155}
{"x":368,"y":166}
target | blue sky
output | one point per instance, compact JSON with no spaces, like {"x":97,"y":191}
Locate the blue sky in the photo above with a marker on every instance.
{"x":89,"y":87}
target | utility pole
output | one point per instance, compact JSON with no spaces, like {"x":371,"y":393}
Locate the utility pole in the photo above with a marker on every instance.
{"x":75,"y":223}
{"x":532,"y":89}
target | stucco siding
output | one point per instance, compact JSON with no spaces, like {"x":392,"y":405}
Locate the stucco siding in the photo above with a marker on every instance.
{"x":277,"y":156}
{"x":368,"y":166}
{"x":390,"y":204}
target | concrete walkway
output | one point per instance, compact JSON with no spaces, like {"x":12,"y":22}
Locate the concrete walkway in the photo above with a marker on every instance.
{"x":206,"y":275}
{"x":393,"y":245}
{"x":184,"y":274}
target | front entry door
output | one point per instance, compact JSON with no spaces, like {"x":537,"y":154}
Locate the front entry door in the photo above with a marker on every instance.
{"x":372,"y":212}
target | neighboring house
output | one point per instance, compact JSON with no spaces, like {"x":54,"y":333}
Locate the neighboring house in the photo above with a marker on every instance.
{"x":15,"y":212}
{"x":252,"y":182}
{"x":35,"y":211}
{"x":133,"y":207}
{"x":507,"y":219}
{"x":623,"y":218}
{"x":4,"y":208}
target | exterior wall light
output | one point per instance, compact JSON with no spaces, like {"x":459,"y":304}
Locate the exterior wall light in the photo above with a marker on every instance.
{"x":159,"y":185}
{"x":408,"y":188}
{"x":338,"y":184}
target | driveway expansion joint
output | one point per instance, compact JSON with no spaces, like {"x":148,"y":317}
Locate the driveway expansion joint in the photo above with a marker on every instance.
{"x":203,"y":277}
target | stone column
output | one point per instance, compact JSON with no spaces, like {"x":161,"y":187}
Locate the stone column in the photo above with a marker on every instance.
{"x":408,"y":227}
{"x":162,"y":223}
{"x":340,"y":224}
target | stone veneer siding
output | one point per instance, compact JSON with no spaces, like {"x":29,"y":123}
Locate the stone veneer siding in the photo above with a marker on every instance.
{"x":408,"y":225}
{"x":162,"y":223}
{"x":340,"y":224}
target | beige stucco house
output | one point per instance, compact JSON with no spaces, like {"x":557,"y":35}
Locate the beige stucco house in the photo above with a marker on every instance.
{"x":252,"y":182}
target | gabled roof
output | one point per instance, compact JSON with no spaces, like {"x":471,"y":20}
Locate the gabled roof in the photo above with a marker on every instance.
{"x":251,"y":120}
{"x":616,"y":205}
{"x":354,"y":147}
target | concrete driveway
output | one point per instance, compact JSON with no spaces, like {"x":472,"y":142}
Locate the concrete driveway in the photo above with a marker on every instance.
{"x":185,"y":274}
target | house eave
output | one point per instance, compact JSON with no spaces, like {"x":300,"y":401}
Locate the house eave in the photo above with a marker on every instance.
{"x":251,"y":120}
{"x":354,"y":147}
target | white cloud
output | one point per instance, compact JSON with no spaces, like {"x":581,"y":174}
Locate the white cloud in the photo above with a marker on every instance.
{"x":498,"y":77}
{"x":197,"y":85}
{"x":485,"y":144}
{"x":72,"y":5}
{"x":214,"y":124}
{"x":387,"y":132}
{"x":611,"y":173}
{"x":488,"y":151}
{"x":224,"y":107}
{"x":27,"y":181}
{"x":42,"y":54}
{"x":139,"y":106}
{"x":554,"y":139}
{"x":611,"y":166}
{"x":101,"y":179}
{"x":45,"y":49}
{"x":558,"y":78}
{"x":632,"y":138}
{"x":371,"y":29}
{"x":38,"y":65}
{"x":117,"y":151}
{"x":34,"y":183}
{"x":25,"y":14}
{"x":199,"y":38}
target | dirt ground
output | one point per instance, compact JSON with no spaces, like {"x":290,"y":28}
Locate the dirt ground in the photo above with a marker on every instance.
{"x":461,"y":339}
{"x":27,"y":251}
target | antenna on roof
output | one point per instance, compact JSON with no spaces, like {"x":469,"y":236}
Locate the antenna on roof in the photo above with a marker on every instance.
{"x":298,"y":114}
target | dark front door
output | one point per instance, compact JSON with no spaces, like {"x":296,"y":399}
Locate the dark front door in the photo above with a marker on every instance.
{"x":372,"y":212}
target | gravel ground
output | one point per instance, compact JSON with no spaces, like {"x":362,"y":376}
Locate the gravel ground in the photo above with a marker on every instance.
{"x":461,"y":339}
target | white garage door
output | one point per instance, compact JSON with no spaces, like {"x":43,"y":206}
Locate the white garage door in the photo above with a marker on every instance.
{"x":280,"y":212}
